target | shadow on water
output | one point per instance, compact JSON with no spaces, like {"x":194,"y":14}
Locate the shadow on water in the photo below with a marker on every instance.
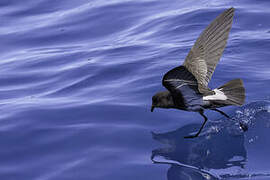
{"x":220,"y":152}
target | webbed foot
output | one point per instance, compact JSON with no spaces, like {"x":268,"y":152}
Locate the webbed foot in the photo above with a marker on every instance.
{"x":191,"y":136}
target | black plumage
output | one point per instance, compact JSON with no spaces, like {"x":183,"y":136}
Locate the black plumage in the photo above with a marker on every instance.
{"x":187,"y":84}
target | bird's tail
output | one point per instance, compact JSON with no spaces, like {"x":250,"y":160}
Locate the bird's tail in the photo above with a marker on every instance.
{"x":234,"y":91}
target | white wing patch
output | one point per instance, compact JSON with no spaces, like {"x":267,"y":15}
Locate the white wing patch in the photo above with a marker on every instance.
{"x":219,"y":95}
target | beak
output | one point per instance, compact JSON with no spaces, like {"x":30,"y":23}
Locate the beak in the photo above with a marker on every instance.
{"x":152,"y":108}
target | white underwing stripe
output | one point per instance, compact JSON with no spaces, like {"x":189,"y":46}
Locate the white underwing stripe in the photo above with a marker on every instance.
{"x":180,"y":80}
{"x":181,"y":85}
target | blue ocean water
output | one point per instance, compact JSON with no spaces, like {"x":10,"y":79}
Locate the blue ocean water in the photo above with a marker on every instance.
{"x":76,"y":82}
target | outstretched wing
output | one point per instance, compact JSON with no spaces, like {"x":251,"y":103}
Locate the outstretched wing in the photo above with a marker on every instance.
{"x":203,"y":57}
{"x":183,"y":87}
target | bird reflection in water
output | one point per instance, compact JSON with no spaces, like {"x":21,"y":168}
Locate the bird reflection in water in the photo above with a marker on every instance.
{"x":220,"y":147}
{"x":210,"y":151}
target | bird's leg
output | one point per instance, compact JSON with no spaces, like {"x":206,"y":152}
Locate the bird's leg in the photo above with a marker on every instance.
{"x":221,"y":112}
{"x":197,"y":134}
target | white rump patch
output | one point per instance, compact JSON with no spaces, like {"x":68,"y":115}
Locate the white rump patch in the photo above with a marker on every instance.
{"x":219,"y":95}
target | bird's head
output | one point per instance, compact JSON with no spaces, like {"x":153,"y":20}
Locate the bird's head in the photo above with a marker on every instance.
{"x":162,"y":100}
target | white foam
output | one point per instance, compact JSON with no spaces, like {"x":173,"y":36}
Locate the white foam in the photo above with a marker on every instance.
{"x":268,"y":109}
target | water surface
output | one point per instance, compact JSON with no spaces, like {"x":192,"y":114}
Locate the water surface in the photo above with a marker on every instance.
{"x":77,"y":79}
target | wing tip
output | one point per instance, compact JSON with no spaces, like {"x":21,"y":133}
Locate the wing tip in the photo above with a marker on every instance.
{"x":230,"y":10}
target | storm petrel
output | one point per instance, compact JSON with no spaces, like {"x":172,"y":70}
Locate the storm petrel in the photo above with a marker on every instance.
{"x":187,"y":85}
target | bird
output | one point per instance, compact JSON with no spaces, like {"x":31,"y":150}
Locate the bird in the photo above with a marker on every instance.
{"x":187,"y":84}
